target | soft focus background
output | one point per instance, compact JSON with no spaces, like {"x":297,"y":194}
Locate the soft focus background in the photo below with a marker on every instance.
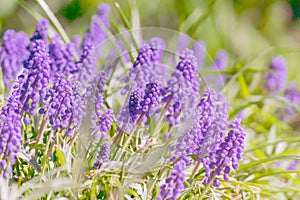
{"x":246,"y":29}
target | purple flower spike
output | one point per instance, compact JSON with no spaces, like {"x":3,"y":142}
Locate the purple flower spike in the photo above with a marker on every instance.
{"x":10,"y":134}
{"x":62,"y":57}
{"x":226,"y":156}
{"x":86,"y":66}
{"x":276,"y":79}
{"x":175,"y":183}
{"x":151,"y":97}
{"x":158,"y":45}
{"x":208,"y":127}
{"x":134,"y":106}
{"x":41,"y":31}
{"x":35,"y":77}
{"x":12,"y":55}
{"x":59,"y":104}
{"x":100,"y":21}
{"x":183,"y":88}
{"x":96,"y":34}
{"x":146,"y":56}
{"x":147,"y":68}
{"x":102,"y":117}
{"x":103,"y":155}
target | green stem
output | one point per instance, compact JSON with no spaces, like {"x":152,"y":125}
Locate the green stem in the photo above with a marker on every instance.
{"x":131,"y":134}
{"x":127,"y":25}
{"x":46,"y":155}
{"x":54,"y":20}
{"x":195,"y":170}
{"x":158,"y":126}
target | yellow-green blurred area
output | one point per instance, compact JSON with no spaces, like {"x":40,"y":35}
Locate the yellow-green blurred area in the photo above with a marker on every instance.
{"x":253,"y":30}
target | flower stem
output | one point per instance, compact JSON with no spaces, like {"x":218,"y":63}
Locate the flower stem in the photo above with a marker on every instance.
{"x":195,"y":170}
{"x":158,"y":126}
{"x":54,"y":20}
{"x":131,"y":134}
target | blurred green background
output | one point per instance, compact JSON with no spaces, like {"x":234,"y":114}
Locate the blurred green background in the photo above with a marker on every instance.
{"x":256,"y":29}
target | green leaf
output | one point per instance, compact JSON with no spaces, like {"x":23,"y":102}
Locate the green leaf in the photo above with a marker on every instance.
{"x":60,"y":156}
{"x":253,"y":164}
{"x":243,"y":85}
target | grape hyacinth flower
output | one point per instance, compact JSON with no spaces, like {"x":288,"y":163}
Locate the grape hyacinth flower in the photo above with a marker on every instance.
{"x":62,"y":57}
{"x":213,"y":80}
{"x":28,"y":89}
{"x":277,"y":77}
{"x":134,"y":107}
{"x":10,"y":134}
{"x":183,"y":42}
{"x":35,"y":75}
{"x":221,"y":60}
{"x":13,"y":53}
{"x":102,"y":117}
{"x":146,"y":67}
{"x":86,"y":66}
{"x":182,"y":91}
{"x":175,"y":183}
{"x":58,"y":105}
{"x":226,"y":156}
{"x":151,"y":97}
{"x":41,"y":31}
{"x":103,"y":155}
{"x":100,"y":21}
{"x":80,"y":103}
{"x":210,"y":126}
{"x":96,"y":33}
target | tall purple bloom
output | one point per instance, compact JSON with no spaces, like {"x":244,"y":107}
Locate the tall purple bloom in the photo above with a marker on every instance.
{"x":102,"y":117}
{"x":36,"y":76}
{"x":221,"y":60}
{"x":10,"y":132}
{"x":28,"y":89}
{"x":151,"y":98}
{"x":79,"y":104}
{"x":58,"y":105}
{"x":183,"y":42}
{"x":13,"y":52}
{"x":226,"y":156}
{"x":134,"y":105}
{"x":96,"y":33}
{"x":41,"y":31}
{"x":208,"y":127}
{"x":100,"y":21}
{"x":62,"y":57}
{"x":183,"y":88}
{"x":175,"y":182}
{"x":86,"y":66}
{"x":276,"y":79}
{"x":220,"y":63}
{"x":103,"y":155}
{"x":146,"y":67}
